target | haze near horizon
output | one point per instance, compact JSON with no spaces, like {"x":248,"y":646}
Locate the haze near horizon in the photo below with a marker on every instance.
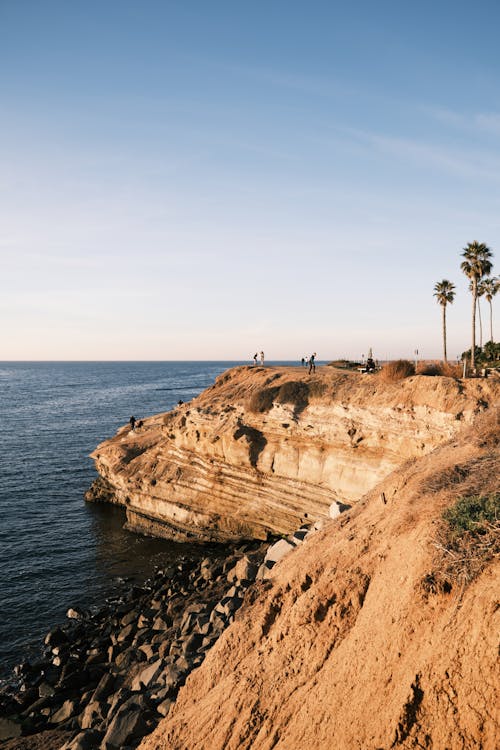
{"x":194,"y":181}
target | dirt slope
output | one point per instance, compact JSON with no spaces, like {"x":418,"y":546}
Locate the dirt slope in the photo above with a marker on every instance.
{"x":345,"y":647}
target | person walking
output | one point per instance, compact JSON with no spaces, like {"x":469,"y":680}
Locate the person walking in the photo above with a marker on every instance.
{"x":312,"y":363}
{"x":262,"y":358}
{"x":132,"y":423}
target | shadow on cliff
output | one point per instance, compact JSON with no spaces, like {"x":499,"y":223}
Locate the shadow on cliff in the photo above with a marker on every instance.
{"x":256,"y":441}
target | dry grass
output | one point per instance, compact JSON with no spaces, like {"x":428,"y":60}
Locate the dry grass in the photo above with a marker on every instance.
{"x":262,"y":400}
{"x":397,"y":370}
{"x":439,"y":368}
{"x":467,"y":478}
{"x":295,"y":392}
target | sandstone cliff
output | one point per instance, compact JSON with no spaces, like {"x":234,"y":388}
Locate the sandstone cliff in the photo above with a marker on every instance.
{"x":264,"y":449}
{"x":363,"y":639}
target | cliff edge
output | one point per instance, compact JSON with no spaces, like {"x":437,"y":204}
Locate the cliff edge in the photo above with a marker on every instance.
{"x":267,"y":448}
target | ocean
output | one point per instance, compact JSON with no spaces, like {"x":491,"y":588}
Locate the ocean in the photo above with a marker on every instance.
{"x":56,"y":550}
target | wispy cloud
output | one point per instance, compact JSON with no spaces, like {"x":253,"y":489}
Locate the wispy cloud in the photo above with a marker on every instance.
{"x":464,"y":163}
{"x":479,"y":122}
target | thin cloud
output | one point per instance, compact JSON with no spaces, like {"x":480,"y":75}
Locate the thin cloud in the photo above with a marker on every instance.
{"x":464,"y":164}
{"x":479,"y":122}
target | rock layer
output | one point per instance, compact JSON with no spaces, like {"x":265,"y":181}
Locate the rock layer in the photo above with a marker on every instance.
{"x":265,"y":449}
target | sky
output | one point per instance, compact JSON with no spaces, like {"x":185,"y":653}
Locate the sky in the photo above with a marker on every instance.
{"x":203,"y":180}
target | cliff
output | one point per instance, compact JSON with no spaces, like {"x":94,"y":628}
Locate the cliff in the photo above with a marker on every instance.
{"x":264,"y":449}
{"x":372,"y":635}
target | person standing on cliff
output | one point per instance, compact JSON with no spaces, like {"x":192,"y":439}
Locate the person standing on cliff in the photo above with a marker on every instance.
{"x":312,"y":363}
{"x":262,"y":358}
{"x":132,"y":423}
{"x":255,"y":359}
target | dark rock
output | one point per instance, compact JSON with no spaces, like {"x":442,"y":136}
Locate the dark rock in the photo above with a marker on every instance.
{"x":34,"y":707}
{"x":105,"y":687}
{"x":127,"y":725}
{"x":9,"y":729}
{"x":88,"y":740}
{"x":65,"y":712}
{"x":93,"y":715}
{"x":161,"y":623}
{"x":164,"y":707}
{"x":125,"y":633}
{"x":74,"y":613}
{"x":147,"y":677}
{"x":147,"y":650}
{"x":122,"y":695}
{"x":45,"y":690}
{"x":55,"y":637}
{"x":74,"y":680}
{"x":192,"y":643}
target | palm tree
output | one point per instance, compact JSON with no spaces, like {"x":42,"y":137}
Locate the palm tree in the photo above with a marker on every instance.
{"x":477,"y":264}
{"x":490,"y":287}
{"x":444,"y":291}
{"x":480,"y":293}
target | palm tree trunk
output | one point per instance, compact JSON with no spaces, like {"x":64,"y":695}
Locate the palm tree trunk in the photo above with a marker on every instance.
{"x":444,"y":332}
{"x":491,"y":321}
{"x":473,"y":347}
{"x":480,"y":322}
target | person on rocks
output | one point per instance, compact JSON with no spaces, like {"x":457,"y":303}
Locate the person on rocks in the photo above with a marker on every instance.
{"x":303,"y":362}
{"x":132,"y":423}
{"x":312,"y":363}
{"x":262,"y":358}
{"x":255,"y":359}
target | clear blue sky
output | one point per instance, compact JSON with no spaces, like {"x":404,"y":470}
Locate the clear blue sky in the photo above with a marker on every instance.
{"x":201,"y":180}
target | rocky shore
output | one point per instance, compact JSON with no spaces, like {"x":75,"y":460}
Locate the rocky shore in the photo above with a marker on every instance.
{"x":106,"y":678}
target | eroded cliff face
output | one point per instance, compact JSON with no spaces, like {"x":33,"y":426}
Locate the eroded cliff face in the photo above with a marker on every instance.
{"x":264,"y":449}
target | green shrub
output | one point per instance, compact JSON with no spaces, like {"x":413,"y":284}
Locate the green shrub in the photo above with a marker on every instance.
{"x":468,"y":539}
{"x":472,"y":515}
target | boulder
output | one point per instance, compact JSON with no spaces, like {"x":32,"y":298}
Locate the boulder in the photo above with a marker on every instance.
{"x":164,"y":707}
{"x":147,"y":650}
{"x":105,"y":687}
{"x":65,"y":712}
{"x":45,"y":690}
{"x":127,"y":725}
{"x":125,"y":633}
{"x":147,"y":676}
{"x":192,"y":643}
{"x":244,"y":570}
{"x":55,"y":637}
{"x":277,"y":551}
{"x":9,"y":729}
{"x":129,"y":618}
{"x":93,"y":715}
{"x":120,"y":697}
{"x":160,"y":623}
{"x":88,"y":740}
{"x":74,"y":613}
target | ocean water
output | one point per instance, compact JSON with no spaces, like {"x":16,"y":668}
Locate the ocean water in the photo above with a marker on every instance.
{"x":57,"y":551}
